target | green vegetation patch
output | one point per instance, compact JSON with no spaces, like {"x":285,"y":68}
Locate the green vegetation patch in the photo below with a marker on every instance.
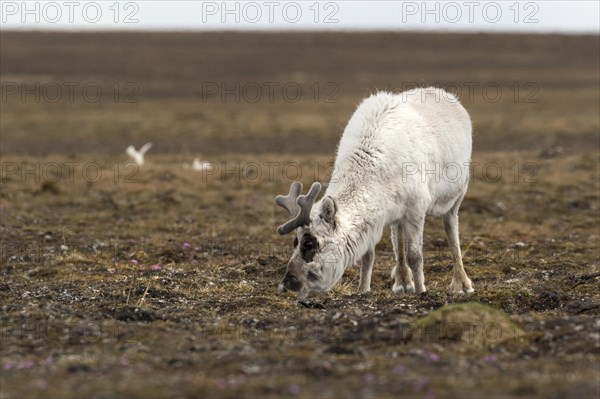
{"x":473,"y":325}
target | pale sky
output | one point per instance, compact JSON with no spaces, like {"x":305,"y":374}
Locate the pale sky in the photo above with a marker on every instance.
{"x":495,"y":16}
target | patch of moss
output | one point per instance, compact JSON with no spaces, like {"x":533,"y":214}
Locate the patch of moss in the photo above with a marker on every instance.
{"x":474,"y":325}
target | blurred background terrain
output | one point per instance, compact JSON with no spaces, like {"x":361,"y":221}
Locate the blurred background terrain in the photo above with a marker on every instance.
{"x":235,"y":92}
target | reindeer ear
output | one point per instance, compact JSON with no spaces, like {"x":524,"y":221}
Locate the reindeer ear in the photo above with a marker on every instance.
{"x":328,"y":209}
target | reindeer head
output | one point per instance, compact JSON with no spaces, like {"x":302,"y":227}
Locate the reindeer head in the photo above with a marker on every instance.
{"x":316,"y":263}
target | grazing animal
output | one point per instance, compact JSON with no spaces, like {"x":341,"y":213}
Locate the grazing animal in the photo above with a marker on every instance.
{"x":201,"y":165}
{"x":198,"y":165}
{"x":401,"y":157}
{"x":138,"y":156}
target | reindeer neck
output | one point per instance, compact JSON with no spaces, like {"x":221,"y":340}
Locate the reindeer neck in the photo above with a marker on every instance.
{"x":360,"y":225}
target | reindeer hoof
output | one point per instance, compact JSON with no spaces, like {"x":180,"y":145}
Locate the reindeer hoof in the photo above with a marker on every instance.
{"x":458,"y":287}
{"x":404,"y":288}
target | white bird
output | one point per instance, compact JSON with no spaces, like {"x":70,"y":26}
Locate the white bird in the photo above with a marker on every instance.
{"x":201,"y":165}
{"x":138,"y":156}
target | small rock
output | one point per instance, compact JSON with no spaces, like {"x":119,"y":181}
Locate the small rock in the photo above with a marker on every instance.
{"x":313,"y":305}
{"x":501,"y":206}
{"x":551,"y":152}
{"x":251,"y":369}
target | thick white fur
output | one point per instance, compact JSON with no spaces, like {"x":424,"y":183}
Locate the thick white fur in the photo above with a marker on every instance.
{"x":401,"y":157}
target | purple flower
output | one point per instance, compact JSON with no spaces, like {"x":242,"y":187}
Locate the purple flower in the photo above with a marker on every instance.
{"x":40,"y":384}
{"x":221,"y":383}
{"x":294,"y":389}
{"x":156,"y":267}
{"x":135,"y":262}
{"x":420,"y":384}
{"x":490,"y":358}
{"x":187,"y":245}
{"x":235,"y":381}
{"x":369,"y":378}
{"x":399,"y":369}
{"x":434,"y":357}
{"x":24,"y":365}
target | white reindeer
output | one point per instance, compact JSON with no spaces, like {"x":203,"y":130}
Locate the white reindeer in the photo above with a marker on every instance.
{"x":401,"y":157}
{"x":138,"y":156}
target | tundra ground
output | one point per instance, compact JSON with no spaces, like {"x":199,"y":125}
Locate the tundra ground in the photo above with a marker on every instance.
{"x":118,"y":281}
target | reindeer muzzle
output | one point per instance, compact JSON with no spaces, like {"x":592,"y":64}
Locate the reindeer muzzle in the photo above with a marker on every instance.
{"x":290,"y":283}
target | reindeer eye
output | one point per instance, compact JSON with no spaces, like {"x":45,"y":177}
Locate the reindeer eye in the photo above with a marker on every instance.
{"x":295,"y":242}
{"x":308,"y":247}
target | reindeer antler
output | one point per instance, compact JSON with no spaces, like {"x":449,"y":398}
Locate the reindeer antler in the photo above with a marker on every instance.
{"x":298,"y":206}
{"x":289,"y":201}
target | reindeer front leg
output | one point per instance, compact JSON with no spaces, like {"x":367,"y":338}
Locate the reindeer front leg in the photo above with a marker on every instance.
{"x":401,"y":273}
{"x":366,"y":269}
{"x":413,"y":230}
